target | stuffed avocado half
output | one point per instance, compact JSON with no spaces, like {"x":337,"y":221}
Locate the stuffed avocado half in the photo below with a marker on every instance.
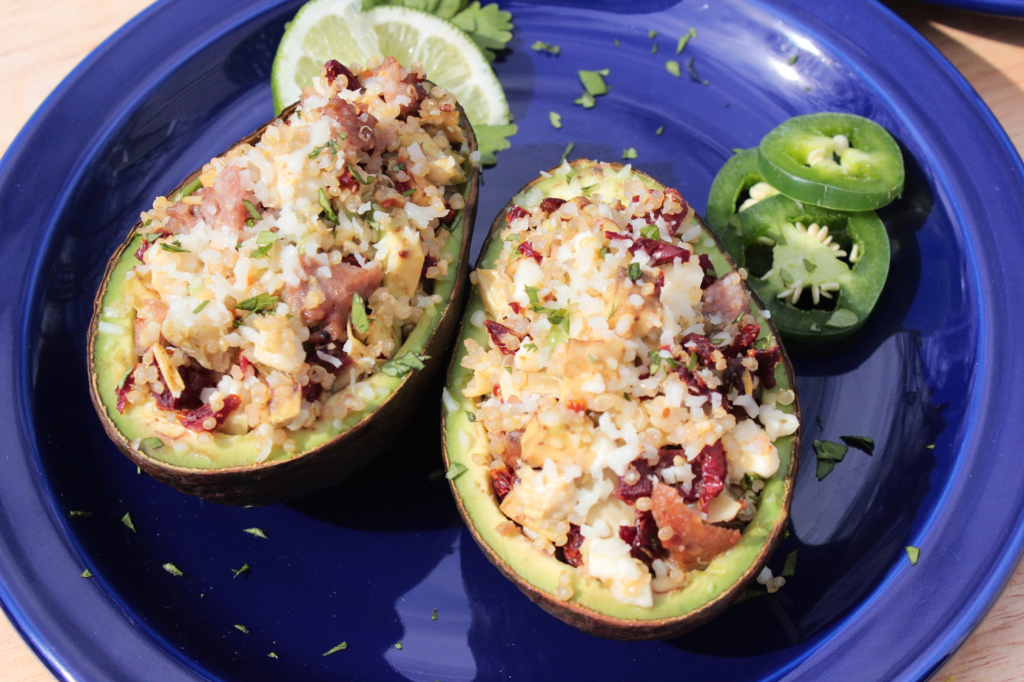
{"x":268,"y":324}
{"x":620,"y":425}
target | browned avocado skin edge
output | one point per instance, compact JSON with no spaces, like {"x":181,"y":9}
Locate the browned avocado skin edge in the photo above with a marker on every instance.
{"x":338,"y":458}
{"x":594,"y":622}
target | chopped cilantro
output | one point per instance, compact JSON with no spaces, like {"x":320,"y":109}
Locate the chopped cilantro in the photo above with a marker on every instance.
{"x":913,"y":553}
{"x":489,"y":26}
{"x":693,"y":72}
{"x":789,"y":569}
{"x":617,"y":42}
{"x":633,"y":271}
{"x":593,"y":81}
{"x":199,"y":308}
{"x":435,"y":476}
{"x":829,"y":454}
{"x":565,"y":154}
{"x":508,"y":369}
{"x":660,"y":130}
{"x":555,"y":118}
{"x":124,"y":377}
{"x":792,"y":60}
{"x":190,"y":188}
{"x":650,"y":232}
{"x":261,"y":304}
{"x":433,"y":616}
{"x":860,"y":442}
{"x":586,"y":100}
{"x":685,"y":39}
{"x":249,"y":206}
{"x":79,"y":514}
{"x":401,"y":366}
{"x":173,"y":570}
{"x":328,"y":211}
{"x":258,"y":532}
{"x":398,"y":167}
{"x":242,"y":628}
{"x":340,"y":647}
{"x":588,"y":189}
{"x":265,"y":240}
{"x":454,"y":471}
{"x":127,"y":521}
{"x":930,"y":447}
{"x":470,"y":416}
{"x":629,"y":153}
{"x":692,"y":363}
{"x":541,"y":46}
{"x":657,"y":361}
{"x":398,"y":645}
{"x":368,"y":180}
{"x":654,"y":48}
{"x":409,"y":192}
{"x":243,"y":569}
{"x":175,"y":247}
{"x":530,"y":347}
{"x":271,"y":655}
{"x":592,"y":358}
{"x":491,"y":139}
{"x":652,"y":34}
{"x":603,"y":252}
{"x":87,"y":573}
{"x":359,"y":319}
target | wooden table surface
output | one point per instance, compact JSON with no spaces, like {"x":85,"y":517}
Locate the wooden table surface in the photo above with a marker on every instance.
{"x":41,"y":41}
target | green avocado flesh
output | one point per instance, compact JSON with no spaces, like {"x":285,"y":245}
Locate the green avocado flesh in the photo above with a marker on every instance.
{"x":113,"y":354}
{"x":465,"y":438}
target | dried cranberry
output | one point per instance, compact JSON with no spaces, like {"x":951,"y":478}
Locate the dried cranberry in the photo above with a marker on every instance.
{"x":351,"y":260}
{"x":195,"y":380}
{"x":498,"y":333}
{"x":516,"y":308}
{"x":766,"y":361}
{"x":527,"y":250}
{"x":448,"y":218}
{"x":702,"y":346}
{"x":642,"y":538}
{"x":709,"y":469}
{"x":503,"y":480}
{"x":644,"y":487}
{"x":571,"y":548}
{"x":551,"y":204}
{"x":244,"y":363}
{"x":194,"y":420}
{"x":674,"y":220}
{"x":741,"y":342}
{"x":146,"y":243}
{"x":659,"y":283}
{"x":658,"y":251}
{"x":122,"y":391}
{"x":428,"y":262}
{"x":334,"y":68}
{"x":515,"y":213}
{"x":403,"y":186}
{"x":346,"y":180}
{"x":696,"y":385}
{"x":732,"y":375}
{"x":313,"y":358}
{"x":311,"y":391}
{"x":709,"y":271}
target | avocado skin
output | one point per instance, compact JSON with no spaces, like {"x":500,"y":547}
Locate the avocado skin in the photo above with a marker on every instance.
{"x":335,"y":460}
{"x":590,"y":620}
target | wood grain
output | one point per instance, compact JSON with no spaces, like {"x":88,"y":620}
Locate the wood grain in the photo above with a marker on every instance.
{"x":42,"y":40}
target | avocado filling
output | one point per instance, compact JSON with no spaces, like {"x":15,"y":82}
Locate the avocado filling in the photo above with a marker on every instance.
{"x":626,"y":391}
{"x":286,"y":291}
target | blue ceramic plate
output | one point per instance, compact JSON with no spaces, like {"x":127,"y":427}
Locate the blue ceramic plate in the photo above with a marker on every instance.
{"x":366,"y":563}
{"x":1008,"y":7}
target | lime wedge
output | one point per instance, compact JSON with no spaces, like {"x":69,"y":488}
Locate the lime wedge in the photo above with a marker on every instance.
{"x":336,"y":29}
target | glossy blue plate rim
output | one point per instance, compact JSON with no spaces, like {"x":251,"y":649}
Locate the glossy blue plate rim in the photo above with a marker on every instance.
{"x":1014,"y":8}
{"x":93,"y":645}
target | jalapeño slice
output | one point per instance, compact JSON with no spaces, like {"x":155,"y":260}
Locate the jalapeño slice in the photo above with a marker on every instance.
{"x":737,"y":187}
{"x":839,"y":161}
{"x":820,"y":272}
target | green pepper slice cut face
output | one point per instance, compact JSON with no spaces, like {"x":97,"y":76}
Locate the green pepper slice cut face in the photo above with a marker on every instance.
{"x":737,"y":187}
{"x":839,"y":161}
{"x":820,"y":272}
